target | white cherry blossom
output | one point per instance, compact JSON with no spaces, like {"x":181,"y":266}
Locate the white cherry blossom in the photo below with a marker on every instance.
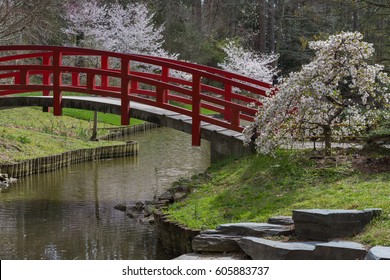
{"x":339,"y":94}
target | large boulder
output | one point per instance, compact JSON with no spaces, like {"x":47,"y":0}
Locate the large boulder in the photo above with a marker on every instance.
{"x":324,"y":225}
{"x":263,"y":249}
{"x":379,"y":253}
{"x":254,"y":229}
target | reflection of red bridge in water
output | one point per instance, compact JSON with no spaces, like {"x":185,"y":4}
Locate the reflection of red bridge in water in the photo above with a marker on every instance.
{"x":135,"y":82}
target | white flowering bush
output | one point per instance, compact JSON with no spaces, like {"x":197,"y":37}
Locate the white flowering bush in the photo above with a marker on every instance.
{"x":338,"y":94}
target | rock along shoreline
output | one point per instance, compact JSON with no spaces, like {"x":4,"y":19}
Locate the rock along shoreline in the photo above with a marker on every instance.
{"x":317,"y":234}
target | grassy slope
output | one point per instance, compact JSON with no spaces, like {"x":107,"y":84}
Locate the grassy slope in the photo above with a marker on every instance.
{"x":257,"y":187}
{"x":28,"y":132}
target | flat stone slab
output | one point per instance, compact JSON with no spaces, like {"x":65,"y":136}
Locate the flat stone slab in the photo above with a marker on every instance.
{"x":319,"y":224}
{"x":210,"y":231}
{"x":340,"y":250}
{"x":215,"y":243}
{"x":378,"y":253}
{"x":263,"y":249}
{"x":254,"y":229}
{"x":194,"y":256}
{"x":281,"y":220}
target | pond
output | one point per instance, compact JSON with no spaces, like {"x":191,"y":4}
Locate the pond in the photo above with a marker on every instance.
{"x":69,"y":214}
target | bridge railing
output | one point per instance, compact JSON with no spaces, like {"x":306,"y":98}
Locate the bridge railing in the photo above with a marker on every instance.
{"x":178,"y":86}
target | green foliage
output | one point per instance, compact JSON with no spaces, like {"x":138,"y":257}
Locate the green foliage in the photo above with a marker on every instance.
{"x":23,"y":139}
{"x":378,"y":136}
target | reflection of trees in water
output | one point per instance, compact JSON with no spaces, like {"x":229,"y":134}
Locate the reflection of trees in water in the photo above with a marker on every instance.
{"x":43,"y":229}
{"x":69,"y":214}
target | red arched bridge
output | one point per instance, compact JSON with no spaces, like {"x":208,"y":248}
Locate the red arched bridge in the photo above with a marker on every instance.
{"x":174,"y":89}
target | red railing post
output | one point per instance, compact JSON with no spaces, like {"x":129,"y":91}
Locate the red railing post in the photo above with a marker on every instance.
{"x":104,"y":66}
{"x":228,"y":97}
{"x":75,"y":79}
{"x":57,"y":81}
{"x":46,"y":75}
{"x":91,"y":81}
{"x":46,"y":80}
{"x":162,"y":93}
{"x":125,"y":100}
{"x":23,"y":77}
{"x":235,"y":118}
{"x":133,"y":86}
{"x":196,"y":86}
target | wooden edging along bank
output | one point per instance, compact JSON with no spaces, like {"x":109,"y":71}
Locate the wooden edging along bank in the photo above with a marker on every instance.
{"x":128,"y":130}
{"x":54,"y":162}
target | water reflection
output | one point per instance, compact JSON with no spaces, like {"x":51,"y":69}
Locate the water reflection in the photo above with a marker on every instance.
{"x":69,"y":214}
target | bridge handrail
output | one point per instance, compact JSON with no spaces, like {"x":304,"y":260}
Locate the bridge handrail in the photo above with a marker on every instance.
{"x":49,"y":66}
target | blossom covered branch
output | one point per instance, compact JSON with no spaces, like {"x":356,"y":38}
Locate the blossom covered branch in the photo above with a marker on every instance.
{"x":338,"y":94}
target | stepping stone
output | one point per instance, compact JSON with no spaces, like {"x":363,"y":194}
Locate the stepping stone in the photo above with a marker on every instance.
{"x":215,"y":243}
{"x":340,"y":250}
{"x":318,"y":224}
{"x":224,"y":257}
{"x":379,"y":253}
{"x":254,"y":229}
{"x":281,"y":220}
{"x":263,"y":249}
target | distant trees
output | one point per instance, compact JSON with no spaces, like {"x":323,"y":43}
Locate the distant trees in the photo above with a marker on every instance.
{"x":338,"y":94}
{"x":27,"y":21}
{"x":197,"y":30}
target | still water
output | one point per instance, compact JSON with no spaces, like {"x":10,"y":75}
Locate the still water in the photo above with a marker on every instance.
{"x":69,"y":214}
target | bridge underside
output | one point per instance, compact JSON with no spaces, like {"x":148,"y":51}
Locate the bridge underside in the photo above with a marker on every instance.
{"x":224,"y":142}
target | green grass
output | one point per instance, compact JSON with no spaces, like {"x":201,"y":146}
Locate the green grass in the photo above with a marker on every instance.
{"x":258,"y":187}
{"x":28,"y":133}
{"x":106,"y":118}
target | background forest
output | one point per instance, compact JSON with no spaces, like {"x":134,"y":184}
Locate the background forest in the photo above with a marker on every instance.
{"x":197,"y":30}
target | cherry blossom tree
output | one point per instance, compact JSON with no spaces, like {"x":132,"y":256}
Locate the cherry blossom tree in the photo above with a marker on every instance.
{"x":338,"y":94}
{"x":115,"y":27}
{"x":247,"y":63}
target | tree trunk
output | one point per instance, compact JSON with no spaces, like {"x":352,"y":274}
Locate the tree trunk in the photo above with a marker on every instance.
{"x":197,"y":14}
{"x":271,"y":26}
{"x":94,"y":129}
{"x":328,"y":140}
{"x":262,"y":38}
{"x":280,"y":11}
{"x":355,"y":17}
